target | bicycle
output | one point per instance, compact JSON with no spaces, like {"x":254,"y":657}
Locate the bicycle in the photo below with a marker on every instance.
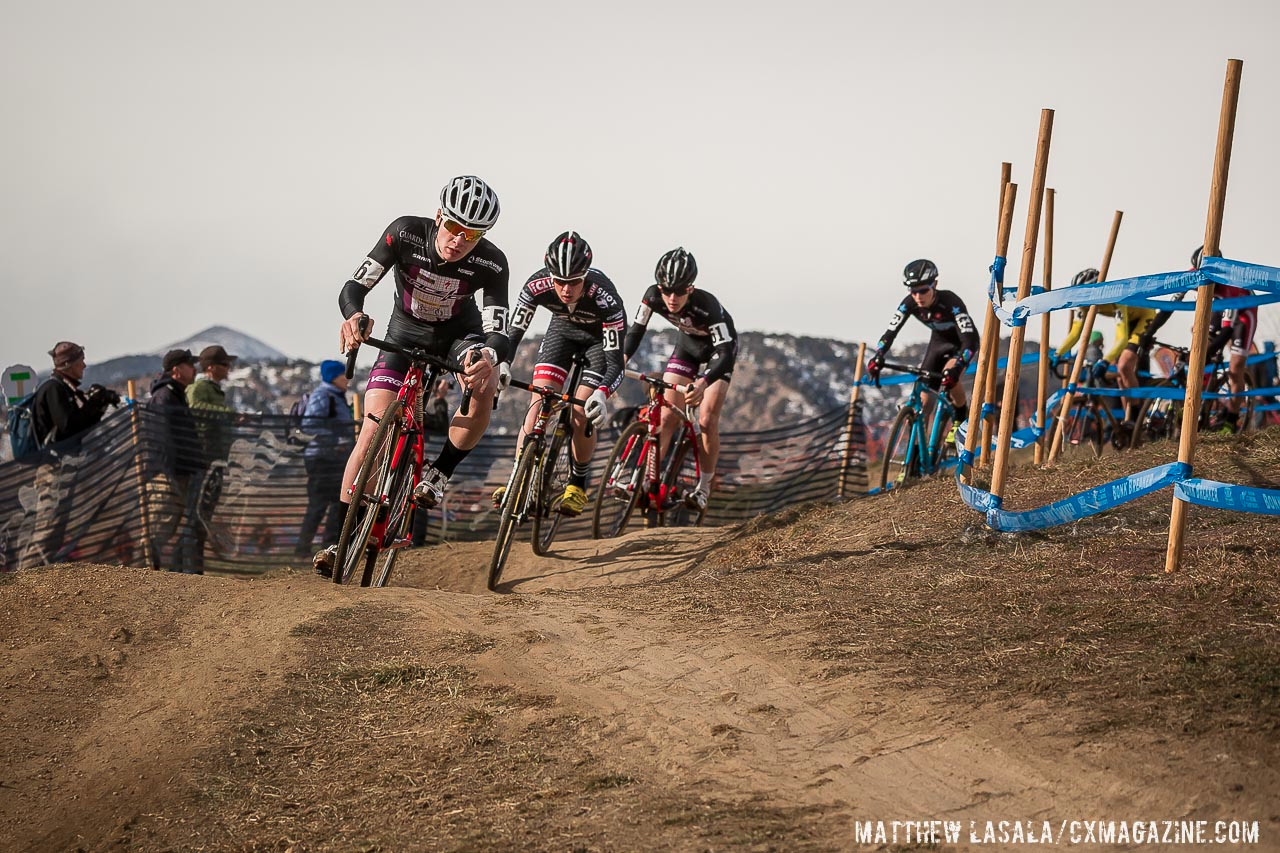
{"x":635,"y":476}
{"x":389,"y":472}
{"x":909,"y":453}
{"x":537,"y":481}
{"x":1160,"y":419}
{"x":1089,"y":423}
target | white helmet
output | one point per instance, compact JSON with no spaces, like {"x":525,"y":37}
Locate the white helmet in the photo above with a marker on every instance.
{"x":470,"y":202}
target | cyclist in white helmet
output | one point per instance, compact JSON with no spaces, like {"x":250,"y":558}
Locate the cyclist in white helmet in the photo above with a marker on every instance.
{"x":440,"y":264}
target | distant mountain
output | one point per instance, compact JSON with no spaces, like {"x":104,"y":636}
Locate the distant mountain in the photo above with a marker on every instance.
{"x":246,"y":348}
{"x":143,"y":366}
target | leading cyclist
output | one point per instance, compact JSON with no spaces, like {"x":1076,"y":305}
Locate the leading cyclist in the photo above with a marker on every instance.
{"x":439,"y":264}
{"x":707,"y":336}
{"x":954,"y":339}
{"x":586,"y":317}
{"x":1127,"y":351}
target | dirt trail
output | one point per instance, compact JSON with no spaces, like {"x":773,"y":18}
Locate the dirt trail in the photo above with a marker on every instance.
{"x":125,"y":691}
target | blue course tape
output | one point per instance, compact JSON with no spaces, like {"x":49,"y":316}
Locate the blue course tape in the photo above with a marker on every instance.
{"x":1226,"y":496}
{"x":1087,"y":503}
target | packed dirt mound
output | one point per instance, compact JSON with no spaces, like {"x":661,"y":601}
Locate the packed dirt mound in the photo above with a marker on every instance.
{"x":772,"y":686}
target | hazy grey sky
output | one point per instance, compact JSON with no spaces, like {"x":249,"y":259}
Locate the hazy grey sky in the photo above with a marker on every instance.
{"x":173,"y":165}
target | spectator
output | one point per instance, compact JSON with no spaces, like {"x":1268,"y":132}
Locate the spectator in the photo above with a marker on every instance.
{"x":208,"y":402}
{"x":61,"y":411}
{"x":178,"y":461}
{"x":435,"y":411}
{"x":327,"y":419}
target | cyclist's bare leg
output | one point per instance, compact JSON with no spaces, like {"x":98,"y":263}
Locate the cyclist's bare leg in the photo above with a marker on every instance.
{"x":709,"y":429}
{"x":1127,"y":377}
{"x":1236,"y":372}
{"x":670,"y":420}
{"x":535,"y":402}
{"x":375,"y":403}
{"x":465,"y":431}
{"x":583,"y":445}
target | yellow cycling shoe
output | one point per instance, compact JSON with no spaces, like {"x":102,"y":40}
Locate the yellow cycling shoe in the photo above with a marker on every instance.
{"x":573,"y":501}
{"x":498,"y":494}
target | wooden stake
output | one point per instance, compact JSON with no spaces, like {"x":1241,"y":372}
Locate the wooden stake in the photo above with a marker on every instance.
{"x":140,"y":472}
{"x":850,"y":420}
{"x":989,"y":379}
{"x":1078,"y":364}
{"x":991,"y":326}
{"x":1204,"y":304}
{"x":1042,"y":380}
{"x":1019,"y":333}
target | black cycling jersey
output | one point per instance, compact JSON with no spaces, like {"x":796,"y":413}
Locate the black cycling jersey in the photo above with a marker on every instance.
{"x":598,"y":313}
{"x":702,"y":318}
{"x":947,"y":317}
{"x":428,"y":289}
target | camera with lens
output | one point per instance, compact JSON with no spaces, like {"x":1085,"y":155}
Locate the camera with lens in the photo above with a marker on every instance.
{"x":102,"y":396}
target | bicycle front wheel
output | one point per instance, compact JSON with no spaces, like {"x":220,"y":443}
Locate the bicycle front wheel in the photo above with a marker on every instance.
{"x":555,"y":476}
{"x":356,"y":553}
{"x":1083,"y":430}
{"x":621,"y":483}
{"x":900,"y":462}
{"x":678,"y":480}
{"x":399,"y":525}
{"x":515,"y":500}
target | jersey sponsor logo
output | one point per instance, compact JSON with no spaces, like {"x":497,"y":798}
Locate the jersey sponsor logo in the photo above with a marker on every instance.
{"x":369,"y":273}
{"x":643,"y":313}
{"x":539,"y":285}
{"x":435,"y":297}
{"x":484,"y":262}
{"x":410,"y":238}
{"x":522,"y":316}
{"x":495,"y":319}
{"x":720,"y":334}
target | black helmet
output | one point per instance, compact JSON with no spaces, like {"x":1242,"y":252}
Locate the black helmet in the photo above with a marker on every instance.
{"x":1086,"y":276}
{"x":676,"y":270}
{"x":919,"y":273}
{"x":1196,"y":256}
{"x":568,"y":256}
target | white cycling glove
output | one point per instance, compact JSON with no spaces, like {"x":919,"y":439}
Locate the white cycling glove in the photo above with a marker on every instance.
{"x":596,"y":407}
{"x":504,"y":376}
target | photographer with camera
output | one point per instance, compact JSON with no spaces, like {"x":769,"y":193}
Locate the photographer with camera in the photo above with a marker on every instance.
{"x":61,"y":411}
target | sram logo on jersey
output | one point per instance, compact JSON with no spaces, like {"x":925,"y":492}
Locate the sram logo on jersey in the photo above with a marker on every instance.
{"x":484,"y":262}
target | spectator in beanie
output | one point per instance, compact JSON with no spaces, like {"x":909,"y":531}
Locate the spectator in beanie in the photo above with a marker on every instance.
{"x":328,"y":420}
{"x":60,"y":409}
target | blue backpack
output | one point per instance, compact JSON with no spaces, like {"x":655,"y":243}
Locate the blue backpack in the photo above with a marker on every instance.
{"x":22,"y":428}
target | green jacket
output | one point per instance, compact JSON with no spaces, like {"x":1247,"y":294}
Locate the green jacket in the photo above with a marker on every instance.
{"x":213,"y":417}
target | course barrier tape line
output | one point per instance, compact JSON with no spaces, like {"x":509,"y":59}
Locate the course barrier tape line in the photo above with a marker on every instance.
{"x":1139,"y":290}
{"x":1211,"y":493}
{"x":1089,"y":502}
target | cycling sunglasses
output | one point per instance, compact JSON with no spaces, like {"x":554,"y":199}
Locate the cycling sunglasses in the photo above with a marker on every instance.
{"x":678,"y":290}
{"x":457,"y":229}
{"x":921,"y":290}
{"x":569,"y":282}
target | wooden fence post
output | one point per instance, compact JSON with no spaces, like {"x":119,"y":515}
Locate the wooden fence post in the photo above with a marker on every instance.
{"x":1204,"y":305}
{"x":140,"y":472}
{"x":850,"y":421}
{"x":1019,"y":333}
{"x":1042,"y":378}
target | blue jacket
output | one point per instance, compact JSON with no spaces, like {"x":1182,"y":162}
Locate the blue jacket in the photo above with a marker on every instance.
{"x":329,"y":419}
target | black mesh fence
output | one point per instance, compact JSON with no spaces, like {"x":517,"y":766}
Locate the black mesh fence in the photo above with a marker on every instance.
{"x":115,"y":496}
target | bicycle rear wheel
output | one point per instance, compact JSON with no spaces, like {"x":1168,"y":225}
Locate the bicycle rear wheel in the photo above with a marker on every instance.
{"x":399,"y":525}
{"x":900,"y":462}
{"x":514,"y":502}
{"x":678,"y":480}
{"x":621,"y":483}
{"x":555,"y":476}
{"x":373,"y":479}
{"x":1159,"y":419}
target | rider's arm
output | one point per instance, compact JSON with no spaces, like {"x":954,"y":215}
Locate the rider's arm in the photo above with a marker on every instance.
{"x":905,"y":309}
{"x":1077,"y":326}
{"x":494,"y":311}
{"x":723,"y":335}
{"x":521,"y":317}
{"x":372,"y":269}
{"x":612,"y":329}
{"x":639,"y":324}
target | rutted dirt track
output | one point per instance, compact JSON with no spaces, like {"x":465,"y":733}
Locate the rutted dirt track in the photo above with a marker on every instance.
{"x":714,"y":689}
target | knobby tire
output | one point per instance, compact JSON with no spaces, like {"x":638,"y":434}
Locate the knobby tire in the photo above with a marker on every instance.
{"x":513,"y":502}
{"x":555,"y":476}
{"x":612,"y":512}
{"x":353,"y":541}
{"x":900,"y":463}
